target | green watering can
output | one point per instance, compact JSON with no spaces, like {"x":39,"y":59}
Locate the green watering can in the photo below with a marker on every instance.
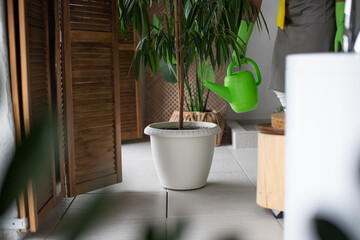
{"x":240,"y":88}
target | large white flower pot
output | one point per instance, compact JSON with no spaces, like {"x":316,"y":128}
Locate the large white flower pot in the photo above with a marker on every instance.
{"x":182,"y":157}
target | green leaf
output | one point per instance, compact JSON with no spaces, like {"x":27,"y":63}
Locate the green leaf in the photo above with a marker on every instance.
{"x":145,"y":18}
{"x":156,"y":24}
{"x":328,"y":230}
{"x":211,"y":27}
{"x":30,"y":161}
{"x":205,"y":72}
{"x":98,"y":208}
{"x":167,"y":72}
{"x":187,"y":8}
{"x":186,"y":81}
{"x":137,"y":66}
{"x":137,"y":19}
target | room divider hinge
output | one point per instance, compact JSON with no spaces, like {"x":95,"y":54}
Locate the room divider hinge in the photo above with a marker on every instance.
{"x":14,"y":223}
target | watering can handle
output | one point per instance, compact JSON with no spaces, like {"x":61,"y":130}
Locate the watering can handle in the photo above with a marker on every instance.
{"x":246,"y":60}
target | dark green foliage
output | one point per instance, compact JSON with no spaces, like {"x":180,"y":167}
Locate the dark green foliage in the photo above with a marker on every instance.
{"x":280,"y":109}
{"x":207,"y":24}
{"x":156,"y":233}
{"x":30,"y":160}
{"x":327,"y":230}
{"x":97,"y":210}
{"x":169,"y":73}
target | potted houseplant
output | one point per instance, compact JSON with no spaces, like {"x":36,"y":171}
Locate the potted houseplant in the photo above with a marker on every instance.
{"x":183,"y":151}
{"x":197,"y":96}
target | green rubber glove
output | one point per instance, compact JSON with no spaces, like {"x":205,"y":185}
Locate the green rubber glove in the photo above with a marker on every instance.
{"x":244,"y":34}
{"x":339,"y":14}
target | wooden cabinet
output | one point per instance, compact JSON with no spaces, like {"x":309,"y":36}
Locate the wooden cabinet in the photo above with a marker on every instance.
{"x":270,"y":177}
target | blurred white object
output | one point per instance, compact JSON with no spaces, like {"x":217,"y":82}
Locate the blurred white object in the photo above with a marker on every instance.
{"x":322,"y":143}
{"x":282,"y":98}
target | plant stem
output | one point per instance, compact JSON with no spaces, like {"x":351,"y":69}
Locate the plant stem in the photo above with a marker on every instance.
{"x":191,"y":106}
{"x":206,"y":99}
{"x":200,"y":105}
{"x":179,"y":62}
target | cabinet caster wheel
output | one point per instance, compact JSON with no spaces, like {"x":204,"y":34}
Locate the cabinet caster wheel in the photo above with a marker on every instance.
{"x":277,"y":214}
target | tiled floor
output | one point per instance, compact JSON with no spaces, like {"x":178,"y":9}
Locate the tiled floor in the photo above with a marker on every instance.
{"x":225,"y":207}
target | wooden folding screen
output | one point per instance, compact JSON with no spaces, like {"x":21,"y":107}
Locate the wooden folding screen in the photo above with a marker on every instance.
{"x":87,"y":92}
{"x":12,"y":13}
{"x":31,"y":91}
{"x":92,"y":94}
{"x":130,"y":92}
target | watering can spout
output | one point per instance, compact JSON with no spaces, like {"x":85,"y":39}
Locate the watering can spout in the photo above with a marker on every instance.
{"x":220,"y":90}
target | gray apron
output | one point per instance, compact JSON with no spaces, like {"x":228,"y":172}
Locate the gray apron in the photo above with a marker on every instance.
{"x":309,"y":27}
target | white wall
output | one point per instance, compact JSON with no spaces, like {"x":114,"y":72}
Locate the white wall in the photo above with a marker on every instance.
{"x":260,"y":49}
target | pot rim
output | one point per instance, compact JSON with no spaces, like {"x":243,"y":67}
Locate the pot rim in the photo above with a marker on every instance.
{"x":207,"y":129}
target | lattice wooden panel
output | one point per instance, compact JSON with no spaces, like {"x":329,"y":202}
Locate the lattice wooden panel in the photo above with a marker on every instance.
{"x":161,"y":98}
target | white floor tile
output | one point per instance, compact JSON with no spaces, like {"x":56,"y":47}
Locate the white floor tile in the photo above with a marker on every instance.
{"x":126,"y":204}
{"x":224,"y":161}
{"x":120,"y":229}
{"x":138,"y":175}
{"x":228,"y":180}
{"x":281,"y":221}
{"x":245,"y":227}
{"x":51,"y":221}
{"x":127,"y":210}
{"x":136,"y":150}
{"x":226,"y":205}
{"x":208,"y":202}
{"x":247,"y":158}
{"x":139,"y":172}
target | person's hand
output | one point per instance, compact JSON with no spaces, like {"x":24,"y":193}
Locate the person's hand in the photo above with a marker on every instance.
{"x":339,"y":14}
{"x":338,"y":39}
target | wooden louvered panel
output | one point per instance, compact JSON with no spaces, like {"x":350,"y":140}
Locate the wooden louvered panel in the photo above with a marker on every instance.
{"x":129,"y":39}
{"x":15,"y":87}
{"x":39,"y":85}
{"x":93,"y":151}
{"x":93,"y":143}
{"x":44,"y":190}
{"x":94,"y":134}
{"x":92,"y":94}
{"x":128,"y":86}
{"x":130,"y":94}
{"x":36,"y":97}
{"x":93,"y":97}
{"x":105,"y":169}
{"x":91,"y":15}
{"x":87,"y":122}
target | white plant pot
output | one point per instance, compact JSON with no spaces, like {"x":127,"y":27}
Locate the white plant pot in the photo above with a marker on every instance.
{"x":182,"y":157}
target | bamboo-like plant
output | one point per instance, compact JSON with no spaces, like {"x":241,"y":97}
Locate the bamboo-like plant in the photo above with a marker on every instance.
{"x":164,"y":44}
